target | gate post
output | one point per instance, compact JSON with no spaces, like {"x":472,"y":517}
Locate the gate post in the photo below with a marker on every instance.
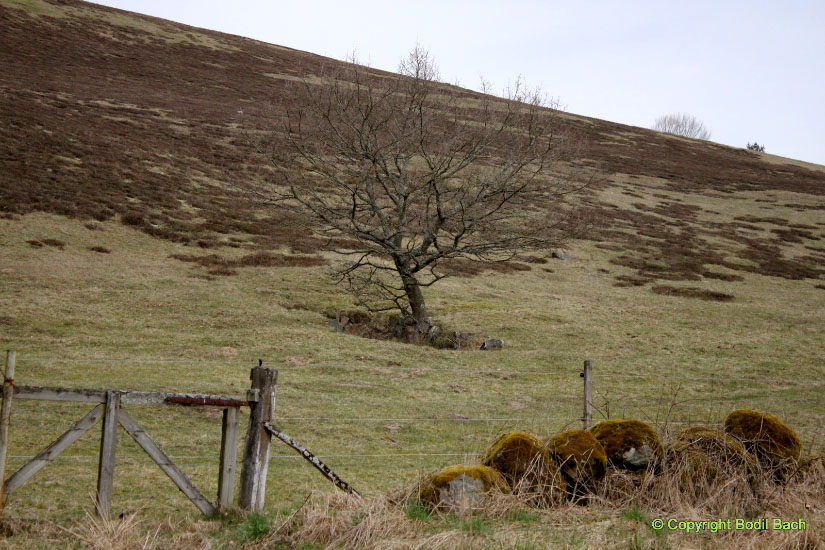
{"x":256,"y":448}
{"x":5,"y":420}
{"x":106,"y":466}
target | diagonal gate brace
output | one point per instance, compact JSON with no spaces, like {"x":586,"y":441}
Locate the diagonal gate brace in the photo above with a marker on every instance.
{"x":162,"y":459}
{"x":314,"y":460}
{"x":56,"y":447}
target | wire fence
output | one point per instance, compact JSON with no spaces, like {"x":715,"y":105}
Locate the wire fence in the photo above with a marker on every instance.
{"x":384,"y":424}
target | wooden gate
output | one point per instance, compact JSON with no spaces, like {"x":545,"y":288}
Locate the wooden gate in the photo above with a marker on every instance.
{"x":110,"y":406}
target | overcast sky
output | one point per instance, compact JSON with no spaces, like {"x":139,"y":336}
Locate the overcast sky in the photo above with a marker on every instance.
{"x":751,"y":71}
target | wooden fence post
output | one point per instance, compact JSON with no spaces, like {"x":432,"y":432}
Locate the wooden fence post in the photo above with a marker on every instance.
{"x":229,"y":451}
{"x":106,"y":466}
{"x":256,"y":449}
{"x":5,"y":419}
{"x":587,"y":417}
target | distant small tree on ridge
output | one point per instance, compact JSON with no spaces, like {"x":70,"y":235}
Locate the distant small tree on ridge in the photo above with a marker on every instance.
{"x":682,"y":125}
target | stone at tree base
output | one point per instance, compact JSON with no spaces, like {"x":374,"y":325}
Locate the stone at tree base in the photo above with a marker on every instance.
{"x":628,"y":444}
{"x":492,"y":344}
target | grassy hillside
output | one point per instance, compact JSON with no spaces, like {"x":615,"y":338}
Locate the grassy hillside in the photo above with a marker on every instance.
{"x":698,"y":290}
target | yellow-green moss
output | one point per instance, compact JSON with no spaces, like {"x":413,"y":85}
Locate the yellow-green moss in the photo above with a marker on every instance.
{"x":490,"y":478}
{"x":581,"y":457}
{"x":527,"y":466}
{"x":516,"y":453}
{"x":764,"y":435}
{"x":625,"y":442}
{"x":701,"y":453}
{"x":708,"y":438}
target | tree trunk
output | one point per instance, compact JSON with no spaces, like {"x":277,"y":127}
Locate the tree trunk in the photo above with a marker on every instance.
{"x":415,"y":297}
{"x":423,"y":322}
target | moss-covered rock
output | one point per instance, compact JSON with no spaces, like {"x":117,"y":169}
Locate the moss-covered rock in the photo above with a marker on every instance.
{"x":705,"y":437}
{"x":621,"y":485}
{"x":628,"y":444}
{"x":527,"y":466}
{"x":461,"y":486}
{"x":580,"y":457}
{"x":515,"y":454}
{"x":703,"y":456}
{"x":773,"y":442}
{"x":709,"y":469}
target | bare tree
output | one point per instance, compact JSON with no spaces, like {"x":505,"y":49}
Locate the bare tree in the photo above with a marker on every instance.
{"x":682,"y":125}
{"x":410,"y":172}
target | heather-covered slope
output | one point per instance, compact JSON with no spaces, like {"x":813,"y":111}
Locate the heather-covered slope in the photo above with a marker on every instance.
{"x":129,"y":261}
{"x":109,"y":114}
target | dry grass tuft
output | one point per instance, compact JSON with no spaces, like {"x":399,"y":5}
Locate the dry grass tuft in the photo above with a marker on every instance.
{"x":126,"y":533}
{"x":343,"y":521}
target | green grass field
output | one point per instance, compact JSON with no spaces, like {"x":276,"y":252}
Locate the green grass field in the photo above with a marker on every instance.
{"x":380,"y":413}
{"x":130,"y":258}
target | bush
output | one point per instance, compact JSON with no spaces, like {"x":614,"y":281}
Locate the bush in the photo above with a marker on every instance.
{"x":756,"y":147}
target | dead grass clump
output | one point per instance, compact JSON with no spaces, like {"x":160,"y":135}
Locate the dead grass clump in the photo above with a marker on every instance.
{"x":711,"y":470}
{"x":628,"y":444}
{"x":772,"y":441}
{"x":343,"y":521}
{"x":581,"y":459}
{"x":126,"y":533}
{"x":620,"y":488}
{"x":693,"y":292}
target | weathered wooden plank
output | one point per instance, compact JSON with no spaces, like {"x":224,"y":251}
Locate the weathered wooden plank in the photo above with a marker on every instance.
{"x":106,"y":465}
{"x":314,"y":460}
{"x":255,"y":461}
{"x":5,"y":419}
{"x":131,"y":397}
{"x":229,"y":452}
{"x":48,"y":454}
{"x":162,"y":459}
